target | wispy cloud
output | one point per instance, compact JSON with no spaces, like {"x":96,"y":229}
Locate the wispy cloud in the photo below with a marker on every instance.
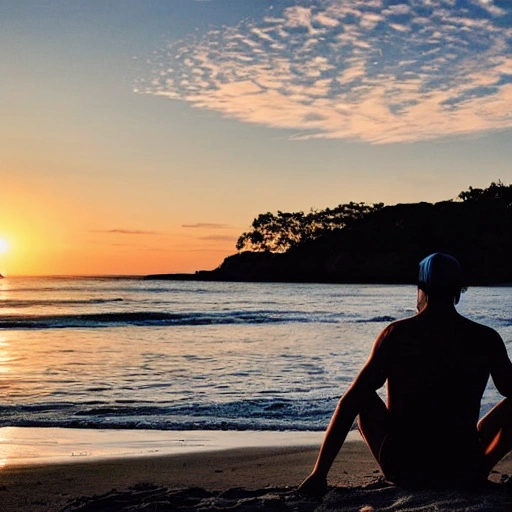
{"x":219,"y":238}
{"x":126,"y":232}
{"x":205,"y":225}
{"x":370,"y":70}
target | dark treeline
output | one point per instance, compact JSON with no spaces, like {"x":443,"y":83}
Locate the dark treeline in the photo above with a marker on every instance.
{"x":373,"y":243}
{"x":281,"y":232}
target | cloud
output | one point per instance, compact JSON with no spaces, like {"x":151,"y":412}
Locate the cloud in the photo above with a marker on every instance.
{"x":370,"y":70}
{"x":126,"y":232}
{"x":219,"y":238}
{"x":205,"y":225}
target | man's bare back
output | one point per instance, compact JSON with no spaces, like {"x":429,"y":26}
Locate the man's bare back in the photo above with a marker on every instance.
{"x":436,"y":365}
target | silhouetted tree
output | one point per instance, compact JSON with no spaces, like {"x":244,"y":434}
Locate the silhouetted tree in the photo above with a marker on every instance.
{"x":497,"y":191}
{"x":278,"y":233}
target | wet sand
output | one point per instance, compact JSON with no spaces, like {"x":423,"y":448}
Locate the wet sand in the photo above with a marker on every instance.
{"x":216,"y":473}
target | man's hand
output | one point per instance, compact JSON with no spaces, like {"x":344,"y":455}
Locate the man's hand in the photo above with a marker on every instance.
{"x":314,"y":485}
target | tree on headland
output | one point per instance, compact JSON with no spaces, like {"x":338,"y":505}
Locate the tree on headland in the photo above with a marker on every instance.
{"x":497,"y":191}
{"x":281,"y":232}
{"x":359,"y":243}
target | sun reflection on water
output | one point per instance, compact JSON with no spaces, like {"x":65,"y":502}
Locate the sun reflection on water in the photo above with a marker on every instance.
{"x":5,"y":357}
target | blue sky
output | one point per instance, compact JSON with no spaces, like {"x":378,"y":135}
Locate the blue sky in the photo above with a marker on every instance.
{"x":162,"y":128}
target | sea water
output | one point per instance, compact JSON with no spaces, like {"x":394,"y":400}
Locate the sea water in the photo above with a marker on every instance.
{"x":175,"y":355}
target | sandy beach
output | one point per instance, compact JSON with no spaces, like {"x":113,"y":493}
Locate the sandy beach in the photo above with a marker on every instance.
{"x":110,"y":471}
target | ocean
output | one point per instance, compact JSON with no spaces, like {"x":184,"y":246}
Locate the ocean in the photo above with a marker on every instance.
{"x":178,"y":355}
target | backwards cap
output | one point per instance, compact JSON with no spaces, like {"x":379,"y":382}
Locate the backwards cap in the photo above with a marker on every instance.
{"x":439,"y":271}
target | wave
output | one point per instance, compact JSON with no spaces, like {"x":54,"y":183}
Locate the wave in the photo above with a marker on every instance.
{"x":149,"y":319}
{"x":164,"y":319}
{"x":384,"y":318}
{"x":255,"y":414}
{"x":278,"y":414}
{"x":13,"y":303}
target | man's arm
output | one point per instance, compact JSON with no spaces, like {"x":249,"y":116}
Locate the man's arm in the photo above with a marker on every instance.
{"x":371,"y":377}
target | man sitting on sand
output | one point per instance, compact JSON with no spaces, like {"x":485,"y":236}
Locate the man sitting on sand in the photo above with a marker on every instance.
{"x":436,"y":364}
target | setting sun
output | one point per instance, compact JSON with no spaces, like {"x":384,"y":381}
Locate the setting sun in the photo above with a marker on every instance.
{"x":4,"y":246}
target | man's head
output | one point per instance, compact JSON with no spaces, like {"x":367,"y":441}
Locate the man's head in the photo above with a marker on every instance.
{"x":440,"y":278}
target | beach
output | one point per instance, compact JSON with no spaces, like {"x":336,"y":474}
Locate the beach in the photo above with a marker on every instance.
{"x":210,"y":473}
{"x":124,"y":395}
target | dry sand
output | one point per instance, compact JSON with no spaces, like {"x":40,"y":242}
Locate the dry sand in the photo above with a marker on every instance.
{"x":239,"y":479}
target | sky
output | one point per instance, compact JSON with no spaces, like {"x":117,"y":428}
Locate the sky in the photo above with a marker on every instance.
{"x":144,"y":136}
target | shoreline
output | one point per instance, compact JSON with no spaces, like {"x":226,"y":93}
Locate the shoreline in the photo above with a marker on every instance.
{"x":29,"y":446}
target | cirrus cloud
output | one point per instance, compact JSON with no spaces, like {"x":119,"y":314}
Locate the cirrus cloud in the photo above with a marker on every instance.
{"x":119,"y":231}
{"x":374,"y":70}
{"x":205,"y":225}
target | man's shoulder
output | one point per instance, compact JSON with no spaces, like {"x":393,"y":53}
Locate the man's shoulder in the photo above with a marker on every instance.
{"x":417,"y":323}
{"x":481,"y":330}
{"x":396,"y":329}
{"x":397,"y":326}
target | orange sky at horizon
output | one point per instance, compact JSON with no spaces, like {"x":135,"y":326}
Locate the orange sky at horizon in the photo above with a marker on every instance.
{"x":52,"y":235}
{"x":26,"y":257}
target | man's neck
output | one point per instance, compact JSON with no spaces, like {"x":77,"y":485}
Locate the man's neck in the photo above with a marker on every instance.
{"x":440,"y":307}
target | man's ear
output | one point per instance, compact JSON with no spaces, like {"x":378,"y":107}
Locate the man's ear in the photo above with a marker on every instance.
{"x":422,"y":301}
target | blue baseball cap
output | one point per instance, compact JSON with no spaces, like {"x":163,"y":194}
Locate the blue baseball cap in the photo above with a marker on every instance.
{"x":440,"y":271}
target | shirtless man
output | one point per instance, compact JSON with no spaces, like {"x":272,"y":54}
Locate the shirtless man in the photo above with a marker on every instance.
{"x":436,"y":364}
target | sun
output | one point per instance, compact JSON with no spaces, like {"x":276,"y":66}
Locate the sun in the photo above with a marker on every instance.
{"x":4,"y":246}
